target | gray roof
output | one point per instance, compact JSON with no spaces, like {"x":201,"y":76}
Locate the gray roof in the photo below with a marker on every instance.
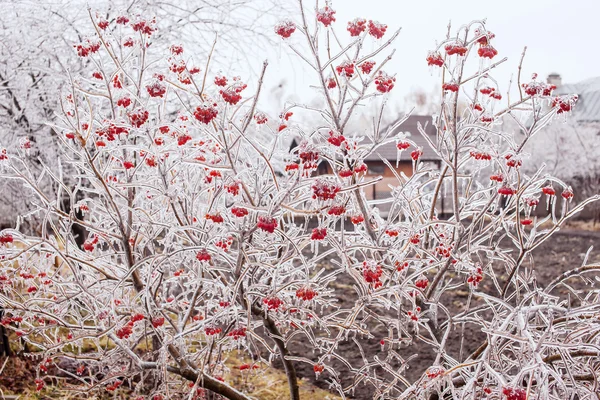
{"x":389,"y":151}
{"x":587,"y":108}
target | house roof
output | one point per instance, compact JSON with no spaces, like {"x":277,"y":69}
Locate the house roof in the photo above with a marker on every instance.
{"x":389,"y":151}
{"x":587,"y":108}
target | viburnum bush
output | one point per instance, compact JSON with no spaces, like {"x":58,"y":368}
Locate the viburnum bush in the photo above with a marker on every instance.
{"x":207,"y":241}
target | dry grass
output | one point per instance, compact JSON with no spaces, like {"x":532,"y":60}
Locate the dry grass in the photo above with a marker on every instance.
{"x":264,"y":383}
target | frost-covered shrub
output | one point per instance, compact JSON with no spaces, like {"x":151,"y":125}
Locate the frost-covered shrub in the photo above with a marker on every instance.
{"x":207,"y":234}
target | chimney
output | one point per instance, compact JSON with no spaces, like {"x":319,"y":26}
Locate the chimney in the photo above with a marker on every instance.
{"x":554,"y":79}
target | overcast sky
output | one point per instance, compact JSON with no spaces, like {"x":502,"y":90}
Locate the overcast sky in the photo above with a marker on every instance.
{"x":561,"y":36}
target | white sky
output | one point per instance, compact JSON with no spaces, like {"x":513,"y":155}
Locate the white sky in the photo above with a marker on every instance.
{"x":561,"y":36}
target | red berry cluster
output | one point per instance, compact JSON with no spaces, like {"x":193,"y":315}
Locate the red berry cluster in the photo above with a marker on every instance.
{"x":487,"y":51}
{"x":484,"y":37}
{"x":392,"y":232}
{"x":203,"y":255}
{"x":372,"y":273}
{"x":376,"y":29}
{"x":6,"y":238}
{"x":216,"y":218}
{"x":306,"y":293}
{"x":318,"y":368}
{"x":476,"y":276}
{"x":325,"y":190}
{"x":422,"y":283}
{"x":89,"y":244}
{"x":506,"y":191}
{"x":490,"y":91}
{"x":450,"y":86}
{"x":138,"y":117}
{"x":532,"y":202}
{"x":565,"y":103}
{"x":237,"y":333}
{"x":367,"y":67}
{"x":497,"y":178}
{"x":345,"y":69}
{"x":206,"y":112}
{"x":221,"y":81}
{"x":414,"y":315}
{"x":87,"y":48}
{"x":549,"y":190}
{"x":127,"y":330}
{"x":224,"y":244}
{"x":267,"y":224}
{"x":434,"y":372}
{"x":455,"y":48}
{"x":156,"y":89}
{"x":326,"y":15}
{"x":402,"y":145}
{"x":285,"y":29}
{"x":144,"y":26}
{"x":239,"y":212}
{"x":384,"y":82}
{"x":318,"y":234}
{"x":273,"y":302}
{"x":435,"y":59}
{"x":124,"y":102}
{"x":114,"y":386}
{"x":356,"y":27}
{"x":260,"y":118}
{"x":536,"y":88}
{"x":336,"y":210}
{"x":568,"y":194}
{"x":480,"y":155}
{"x":158,"y":322}
{"x":211,"y":330}
{"x":336,"y":139}
{"x":514,"y":393}
{"x":232,"y":94}
{"x":176,"y":49}
{"x":416,"y":154}
{"x":513,"y":161}
{"x":308,"y":156}
{"x":357,"y":219}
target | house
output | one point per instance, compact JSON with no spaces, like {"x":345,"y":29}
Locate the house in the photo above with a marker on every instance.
{"x":389,"y":152}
